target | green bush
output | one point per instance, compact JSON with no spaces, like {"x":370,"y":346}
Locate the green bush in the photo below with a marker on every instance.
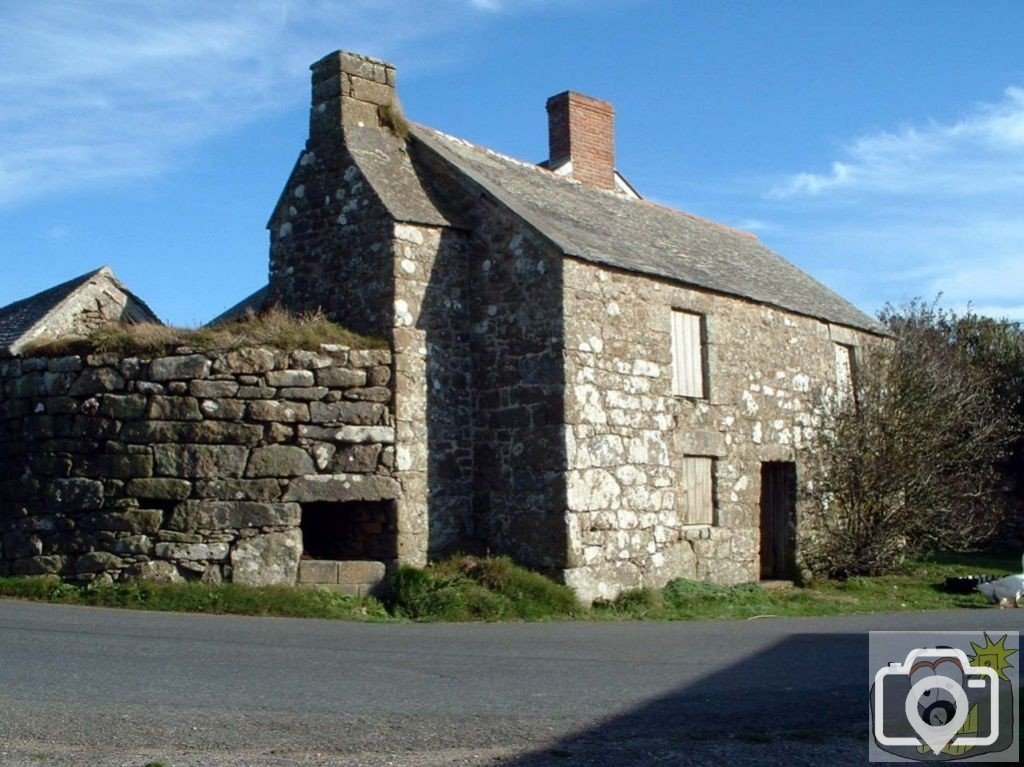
{"x":463,"y":588}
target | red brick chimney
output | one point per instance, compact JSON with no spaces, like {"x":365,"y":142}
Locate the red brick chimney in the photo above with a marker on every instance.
{"x":581,"y":129}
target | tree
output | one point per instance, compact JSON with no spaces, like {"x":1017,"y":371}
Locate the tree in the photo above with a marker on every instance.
{"x":918,"y":459}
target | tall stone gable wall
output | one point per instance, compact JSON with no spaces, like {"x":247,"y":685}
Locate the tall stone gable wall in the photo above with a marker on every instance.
{"x":330,"y":243}
{"x":626,"y":433}
{"x":192,"y":465}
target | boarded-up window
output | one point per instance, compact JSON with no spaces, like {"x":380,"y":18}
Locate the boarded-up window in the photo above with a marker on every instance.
{"x":687,"y":354}
{"x":844,"y":373}
{"x":698,"y":493}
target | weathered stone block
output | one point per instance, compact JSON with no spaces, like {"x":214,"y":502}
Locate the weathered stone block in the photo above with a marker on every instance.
{"x":132,"y":544}
{"x":159,"y":488}
{"x":256,"y":392}
{"x":220,"y":515}
{"x":174,"y":408}
{"x":367,"y":358}
{"x":238,"y":489}
{"x":202,"y":432}
{"x":195,"y":552}
{"x":307,"y":360}
{"x":341,"y":487}
{"x":358,"y":572}
{"x":338,"y":377}
{"x":273,"y":410}
{"x":226,"y":409}
{"x":370,"y":394}
{"x":346,"y":413}
{"x":378,"y":376}
{"x":306,"y":393}
{"x":156,"y":571}
{"x":96,"y":381}
{"x":245,"y":361}
{"x":279,"y":461}
{"x":318,"y":571}
{"x":266,"y":560}
{"x":179,"y":368}
{"x":74,"y":494}
{"x":213,"y":389}
{"x":290,"y":378}
{"x":117,"y":466}
{"x":98,"y":562}
{"x":358,"y":459}
{"x":135,"y":521}
{"x":123,"y":406}
{"x":192,"y":461}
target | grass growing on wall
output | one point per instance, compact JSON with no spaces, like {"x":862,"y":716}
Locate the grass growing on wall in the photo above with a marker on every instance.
{"x":276,"y":328}
{"x":464,"y":588}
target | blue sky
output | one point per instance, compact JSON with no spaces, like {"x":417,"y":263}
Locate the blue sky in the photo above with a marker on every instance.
{"x":878,"y":145}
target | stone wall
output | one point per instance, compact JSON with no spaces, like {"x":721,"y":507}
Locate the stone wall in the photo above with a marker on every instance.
{"x":196,"y":465}
{"x":626,"y":433}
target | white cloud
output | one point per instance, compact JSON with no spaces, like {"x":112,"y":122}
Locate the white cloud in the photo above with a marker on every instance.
{"x":102,"y":91}
{"x":925,"y":209}
{"x":979,"y":154}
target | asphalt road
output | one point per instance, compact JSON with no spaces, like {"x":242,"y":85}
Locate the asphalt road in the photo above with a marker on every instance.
{"x":82,"y":686}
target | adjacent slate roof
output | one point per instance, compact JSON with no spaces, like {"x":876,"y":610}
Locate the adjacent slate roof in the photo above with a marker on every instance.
{"x":252,"y":303}
{"x":640,"y":236}
{"x":19,"y":318}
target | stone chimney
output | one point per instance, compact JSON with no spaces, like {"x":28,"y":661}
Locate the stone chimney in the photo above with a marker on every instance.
{"x":350,"y":90}
{"x":581,"y":129}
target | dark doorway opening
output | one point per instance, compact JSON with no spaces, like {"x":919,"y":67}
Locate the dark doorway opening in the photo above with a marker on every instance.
{"x":778,"y":520}
{"x":353,"y":530}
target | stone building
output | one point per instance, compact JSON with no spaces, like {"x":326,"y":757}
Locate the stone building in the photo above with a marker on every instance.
{"x":72,"y":308}
{"x":601,"y":387}
{"x":610,"y":391}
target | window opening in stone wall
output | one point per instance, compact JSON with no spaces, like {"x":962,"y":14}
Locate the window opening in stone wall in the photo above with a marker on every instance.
{"x":350,"y":530}
{"x":846,"y":372}
{"x":698,"y":490}
{"x":689,"y":372}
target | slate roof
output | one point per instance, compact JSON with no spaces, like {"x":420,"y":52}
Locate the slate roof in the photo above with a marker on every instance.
{"x":254,"y":302}
{"x":640,"y":236}
{"x":18,"y":318}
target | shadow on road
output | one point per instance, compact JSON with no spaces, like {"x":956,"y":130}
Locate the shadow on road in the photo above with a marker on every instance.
{"x":801,"y":692}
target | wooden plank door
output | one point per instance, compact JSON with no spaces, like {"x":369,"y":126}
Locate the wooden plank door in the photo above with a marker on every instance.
{"x":778,"y":520}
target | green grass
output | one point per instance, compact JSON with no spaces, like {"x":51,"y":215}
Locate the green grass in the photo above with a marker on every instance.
{"x":917,"y":587}
{"x":464,"y":588}
{"x":225,"y":599}
{"x":467,"y":588}
{"x":275,"y":327}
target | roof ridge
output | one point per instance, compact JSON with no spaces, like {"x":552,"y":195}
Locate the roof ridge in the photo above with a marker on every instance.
{"x":548,"y":173}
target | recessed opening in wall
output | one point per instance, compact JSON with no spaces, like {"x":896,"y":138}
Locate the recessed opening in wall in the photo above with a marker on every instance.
{"x":350,"y":530}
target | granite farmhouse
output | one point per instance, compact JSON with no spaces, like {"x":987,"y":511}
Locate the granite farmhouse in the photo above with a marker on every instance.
{"x":607,"y":390}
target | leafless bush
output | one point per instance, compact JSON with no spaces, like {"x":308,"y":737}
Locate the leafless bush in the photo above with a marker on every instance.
{"x":915,"y":461}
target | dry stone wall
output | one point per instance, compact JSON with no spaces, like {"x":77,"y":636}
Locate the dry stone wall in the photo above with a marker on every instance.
{"x":195,"y":465}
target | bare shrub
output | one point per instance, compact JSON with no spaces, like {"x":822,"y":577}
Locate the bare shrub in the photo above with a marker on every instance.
{"x":915,"y":461}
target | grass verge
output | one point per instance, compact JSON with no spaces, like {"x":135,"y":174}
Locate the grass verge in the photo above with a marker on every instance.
{"x":275,"y":327}
{"x":224,"y":599}
{"x":466,"y":588}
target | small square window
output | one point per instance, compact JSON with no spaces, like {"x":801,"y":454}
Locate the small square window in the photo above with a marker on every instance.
{"x":688,"y":355}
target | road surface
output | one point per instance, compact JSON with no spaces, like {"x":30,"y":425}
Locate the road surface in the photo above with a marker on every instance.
{"x":97,"y":687}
